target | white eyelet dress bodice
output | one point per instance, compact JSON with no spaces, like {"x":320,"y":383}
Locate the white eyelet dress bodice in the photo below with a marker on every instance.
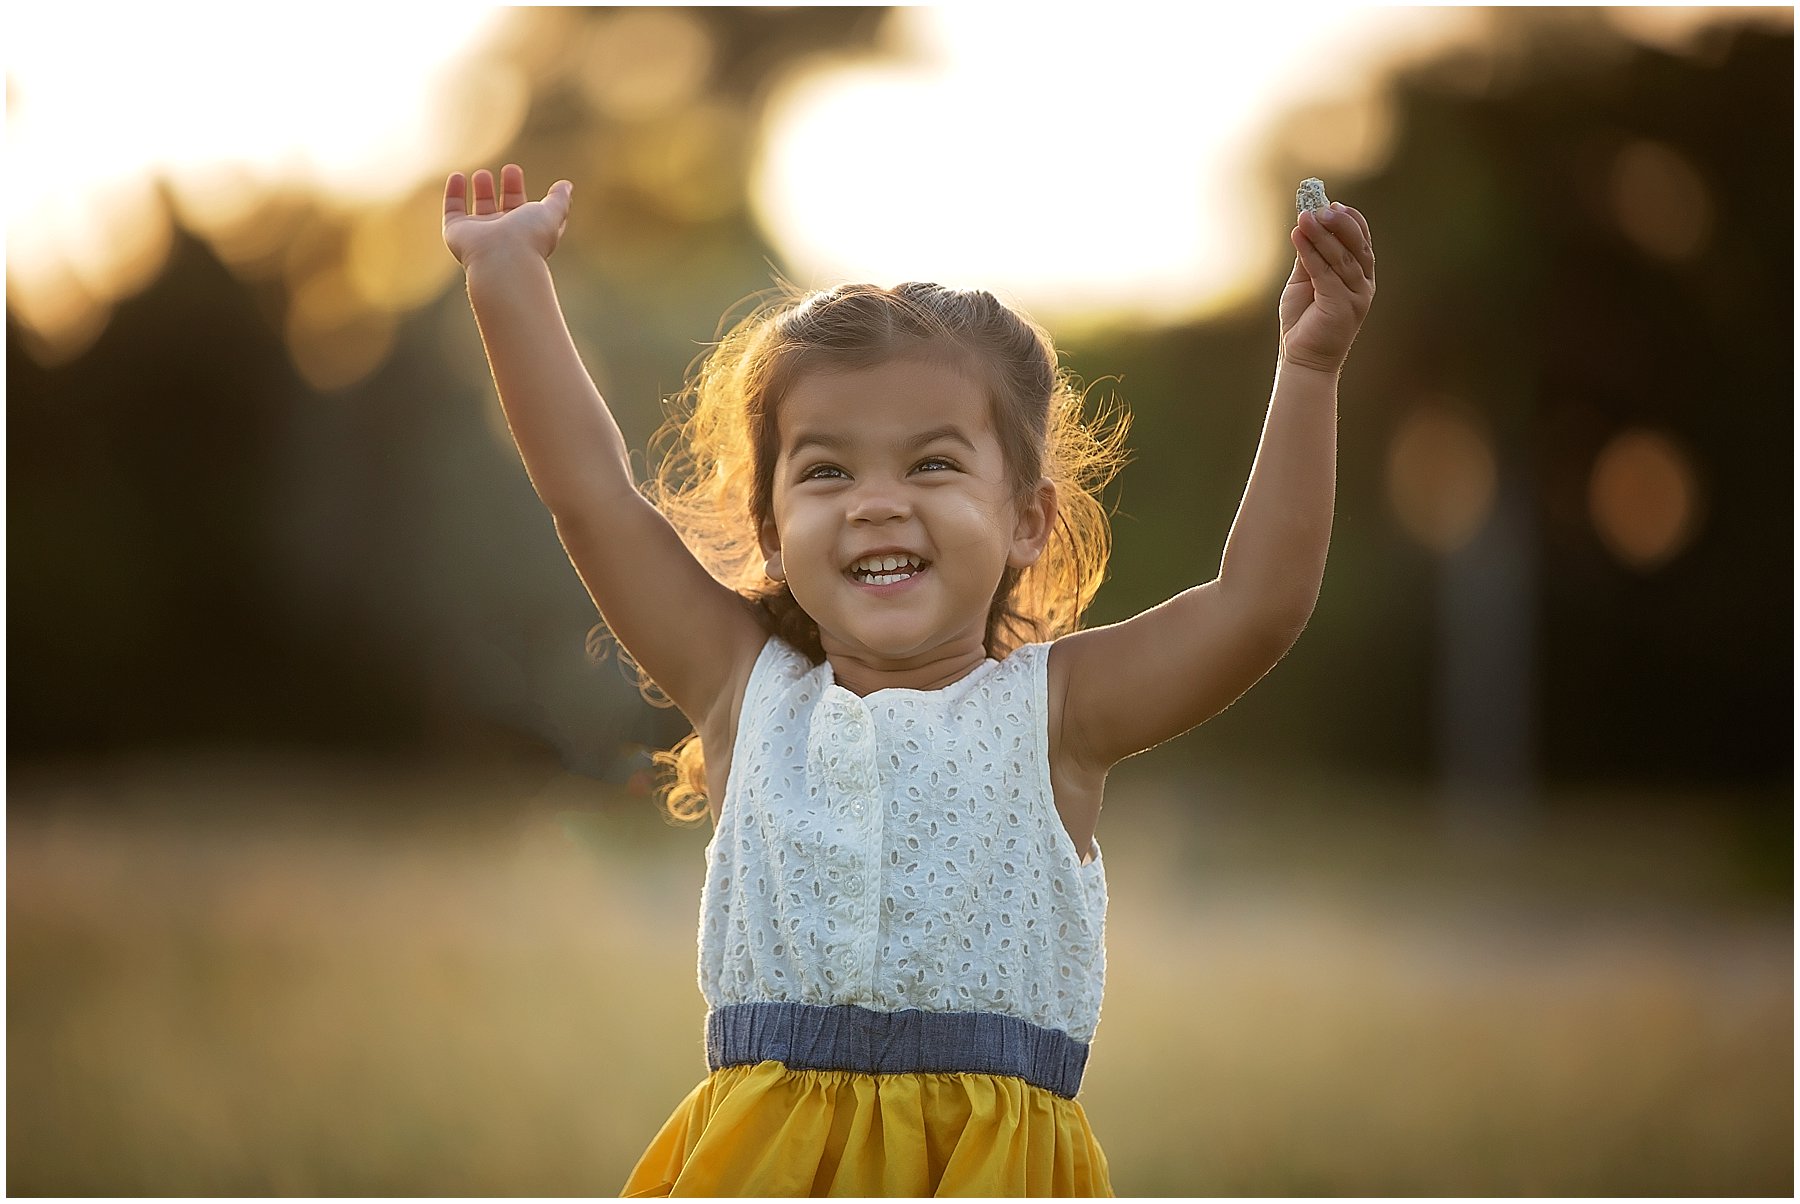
{"x":890,"y":887}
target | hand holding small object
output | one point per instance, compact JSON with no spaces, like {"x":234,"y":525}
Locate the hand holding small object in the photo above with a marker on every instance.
{"x":1328,"y":293}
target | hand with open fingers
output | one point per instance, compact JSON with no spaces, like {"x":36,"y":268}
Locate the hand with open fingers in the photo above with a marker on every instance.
{"x":1330,"y":289}
{"x":506,"y":221}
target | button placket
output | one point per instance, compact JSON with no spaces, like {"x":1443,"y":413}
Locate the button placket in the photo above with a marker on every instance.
{"x":873,"y":819}
{"x":842,"y":753}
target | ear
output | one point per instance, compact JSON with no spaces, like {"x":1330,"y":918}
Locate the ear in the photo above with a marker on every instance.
{"x":770,"y":539}
{"x":1037,"y":519}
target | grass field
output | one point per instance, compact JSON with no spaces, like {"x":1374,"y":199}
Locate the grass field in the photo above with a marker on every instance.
{"x":245,"y":979}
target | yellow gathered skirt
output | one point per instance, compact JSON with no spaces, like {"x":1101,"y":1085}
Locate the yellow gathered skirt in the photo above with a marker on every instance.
{"x":765,"y":1130}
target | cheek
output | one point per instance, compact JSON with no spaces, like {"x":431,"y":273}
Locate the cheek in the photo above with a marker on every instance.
{"x":801,"y":526}
{"x":973,"y":522}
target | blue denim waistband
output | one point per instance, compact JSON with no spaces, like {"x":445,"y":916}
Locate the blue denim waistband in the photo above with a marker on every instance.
{"x":804,"y":1036}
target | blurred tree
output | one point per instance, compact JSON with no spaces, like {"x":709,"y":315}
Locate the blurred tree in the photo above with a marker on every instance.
{"x":1570,"y":252}
{"x":275,"y":504}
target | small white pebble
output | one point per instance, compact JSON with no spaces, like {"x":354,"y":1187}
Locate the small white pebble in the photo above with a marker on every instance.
{"x":1310,"y":195}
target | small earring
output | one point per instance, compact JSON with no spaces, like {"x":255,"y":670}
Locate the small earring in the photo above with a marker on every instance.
{"x":772,"y":566}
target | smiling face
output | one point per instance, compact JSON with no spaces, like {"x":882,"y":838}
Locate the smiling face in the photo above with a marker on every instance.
{"x":894,"y":514}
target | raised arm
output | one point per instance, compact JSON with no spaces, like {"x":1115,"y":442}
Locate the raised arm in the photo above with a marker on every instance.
{"x":1122,"y":689}
{"x":695,"y":637}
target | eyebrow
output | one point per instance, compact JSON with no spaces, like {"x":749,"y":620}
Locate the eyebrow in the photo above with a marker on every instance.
{"x":835,"y":443}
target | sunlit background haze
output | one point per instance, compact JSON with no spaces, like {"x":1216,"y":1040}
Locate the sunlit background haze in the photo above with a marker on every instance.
{"x":335,"y":864}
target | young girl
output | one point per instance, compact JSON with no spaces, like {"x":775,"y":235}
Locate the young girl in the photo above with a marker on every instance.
{"x":860,"y":580}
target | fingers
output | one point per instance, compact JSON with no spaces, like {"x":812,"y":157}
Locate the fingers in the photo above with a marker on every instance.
{"x":1319,"y":247}
{"x":1339,"y":244}
{"x":1310,"y":265}
{"x":1352,"y":230}
{"x":559,"y":196}
{"x":509,"y":195}
{"x":1368,"y":239}
{"x":1299,"y":273}
{"x":512,"y":187}
{"x":482,"y":184}
{"x":1359,"y":241}
{"x":456,"y":191}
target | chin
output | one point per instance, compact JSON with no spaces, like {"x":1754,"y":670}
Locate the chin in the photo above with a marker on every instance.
{"x":891,"y":648}
{"x":890,"y":644}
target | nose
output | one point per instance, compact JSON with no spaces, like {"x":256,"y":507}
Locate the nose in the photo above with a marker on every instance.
{"x":877,"y":502}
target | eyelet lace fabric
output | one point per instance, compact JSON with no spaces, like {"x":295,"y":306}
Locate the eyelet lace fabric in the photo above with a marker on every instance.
{"x":901,"y":851}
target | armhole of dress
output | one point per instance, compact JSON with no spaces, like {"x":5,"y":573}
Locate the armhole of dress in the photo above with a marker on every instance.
{"x":1039,"y":683}
{"x":755,"y":689}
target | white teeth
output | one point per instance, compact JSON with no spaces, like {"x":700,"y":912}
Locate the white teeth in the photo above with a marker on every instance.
{"x":885,"y":570}
{"x":884,"y":564}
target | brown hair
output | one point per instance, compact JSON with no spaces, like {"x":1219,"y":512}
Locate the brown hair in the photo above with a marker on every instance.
{"x":715,"y":456}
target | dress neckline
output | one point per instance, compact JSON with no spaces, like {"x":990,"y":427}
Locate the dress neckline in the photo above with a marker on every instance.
{"x":979,"y":671}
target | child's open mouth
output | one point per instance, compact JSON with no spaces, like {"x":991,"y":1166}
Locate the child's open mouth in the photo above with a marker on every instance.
{"x":887,"y":570}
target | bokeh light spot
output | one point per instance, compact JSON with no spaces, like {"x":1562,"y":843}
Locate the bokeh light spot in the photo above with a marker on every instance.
{"x":221,"y":203}
{"x":692,"y":161}
{"x":1337,"y":138}
{"x":135,"y":235}
{"x":644,"y":62}
{"x":1644,"y":498}
{"x":1681,"y":28}
{"x":57,"y":317}
{"x":334,"y":340}
{"x":1442,"y":475}
{"x":491,"y":106}
{"x":396,"y":261}
{"x":1661,"y":202}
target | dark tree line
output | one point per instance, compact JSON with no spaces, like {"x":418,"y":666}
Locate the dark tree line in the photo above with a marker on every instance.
{"x":203,"y":551}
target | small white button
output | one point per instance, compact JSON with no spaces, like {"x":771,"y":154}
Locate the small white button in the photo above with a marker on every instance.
{"x":855,"y":884}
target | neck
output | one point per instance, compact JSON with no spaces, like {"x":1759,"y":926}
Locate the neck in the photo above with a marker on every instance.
{"x":862,"y":672}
